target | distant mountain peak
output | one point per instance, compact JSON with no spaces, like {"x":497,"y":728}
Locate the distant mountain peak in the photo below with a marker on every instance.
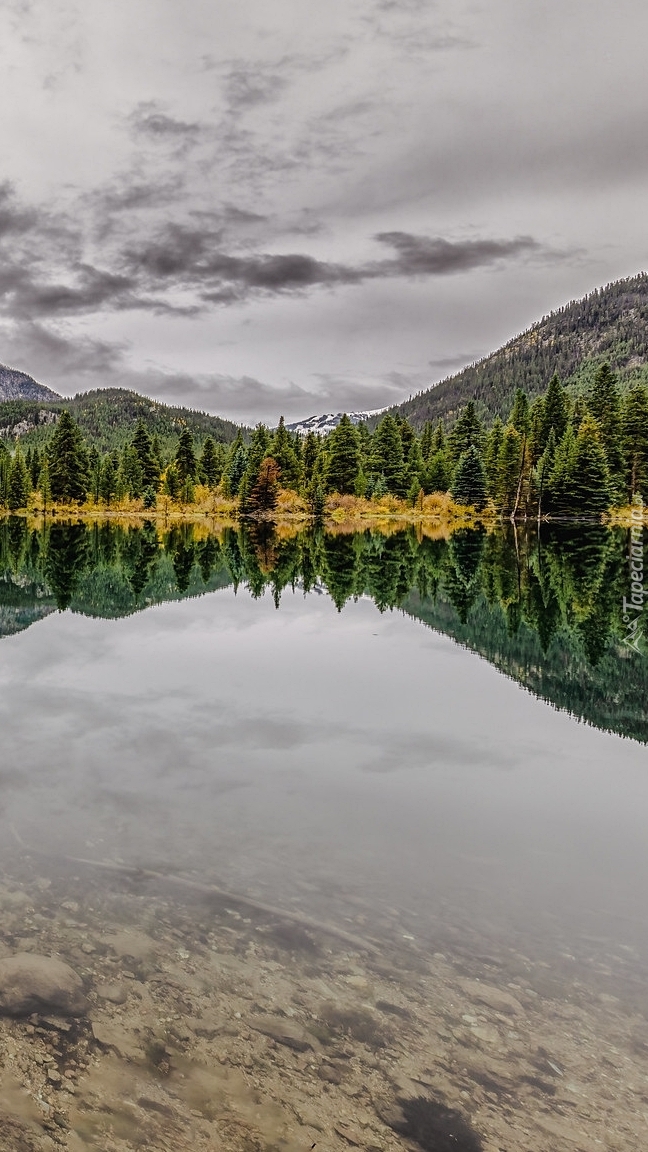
{"x":329,"y":421}
{"x":15,"y":385}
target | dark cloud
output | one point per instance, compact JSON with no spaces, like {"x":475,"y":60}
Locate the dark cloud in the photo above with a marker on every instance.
{"x":151,"y":121}
{"x":434,"y":256}
{"x":247,"y":85}
{"x":14,"y":219}
{"x":191,"y":257}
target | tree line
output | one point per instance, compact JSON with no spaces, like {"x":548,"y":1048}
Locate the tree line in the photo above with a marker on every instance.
{"x":559,"y":456}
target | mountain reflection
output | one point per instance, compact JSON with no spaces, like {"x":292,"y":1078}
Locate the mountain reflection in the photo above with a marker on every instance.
{"x":545,"y":608}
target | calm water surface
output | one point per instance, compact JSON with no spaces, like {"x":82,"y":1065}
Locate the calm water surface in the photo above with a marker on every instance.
{"x":311,"y":755}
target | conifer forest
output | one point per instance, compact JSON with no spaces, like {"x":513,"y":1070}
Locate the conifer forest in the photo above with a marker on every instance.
{"x":563,"y":455}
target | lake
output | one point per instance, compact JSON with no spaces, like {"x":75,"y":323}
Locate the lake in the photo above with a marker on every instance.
{"x":345,"y":835}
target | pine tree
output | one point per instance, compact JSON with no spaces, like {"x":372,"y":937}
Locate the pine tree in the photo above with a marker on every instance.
{"x":387,"y":456}
{"x":634,"y":427}
{"x":44,"y":482}
{"x":590,"y":479}
{"x":415,"y":471}
{"x":491,"y":457}
{"x":131,"y":472}
{"x":407,"y":435}
{"x":555,"y":412}
{"x":185,"y":458}
{"x":508,"y":467}
{"x":171,"y":485}
{"x":107,"y":479}
{"x":210,"y":468}
{"x":36,"y":465}
{"x":559,"y":488}
{"x":469,"y":484}
{"x":311,"y":451}
{"x":235,"y":467}
{"x":426,"y":440}
{"x":605,"y":407}
{"x":19,"y":485}
{"x":519,"y":418}
{"x":467,"y":433}
{"x":283,"y":451}
{"x":68,"y":461}
{"x":438,"y":472}
{"x":543,"y":470}
{"x":343,"y":457}
{"x":143,"y":445}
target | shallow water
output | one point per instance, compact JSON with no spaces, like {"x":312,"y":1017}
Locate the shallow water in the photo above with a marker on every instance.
{"x":361,"y":772}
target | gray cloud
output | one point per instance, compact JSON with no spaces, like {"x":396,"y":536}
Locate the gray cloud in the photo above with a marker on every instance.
{"x":149,"y":120}
{"x":193,"y":257}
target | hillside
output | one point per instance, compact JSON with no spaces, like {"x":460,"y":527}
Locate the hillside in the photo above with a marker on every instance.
{"x":108,"y":416}
{"x":609,"y":324}
{"x":15,"y":385}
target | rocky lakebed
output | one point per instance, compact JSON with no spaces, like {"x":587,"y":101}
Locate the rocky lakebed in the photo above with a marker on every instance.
{"x":139,"y":1013}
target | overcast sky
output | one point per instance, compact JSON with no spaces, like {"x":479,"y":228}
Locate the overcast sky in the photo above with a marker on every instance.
{"x":300,"y":207}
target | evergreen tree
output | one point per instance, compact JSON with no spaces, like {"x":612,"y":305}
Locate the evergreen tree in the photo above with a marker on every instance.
{"x":508,"y":467}
{"x":149,"y":465}
{"x":555,"y":412}
{"x":439,"y":443}
{"x":343,"y":457}
{"x":44,"y":482}
{"x":469,"y":484}
{"x":438,"y":473}
{"x":590,"y":479}
{"x":19,"y":485}
{"x":68,"y":461}
{"x":316,"y":501}
{"x":407,"y":435}
{"x":258,"y":451}
{"x":467,"y":433}
{"x":559,"y":487}
{"x":543,"y":470}
{"x":131,"y":472}
{"x":387,"y":456}
{"x":519,"y":418}
{"x":283,"y":451}
{"x":210,"y":468}
{"x":492,"y":458}
{"x":235,"y":465}
{"x":634,"y":426}
{"x":35,"y":468}
{"x":185,"y":457}
{"x":426,"y":440}
{"x":171,"y":485}
{"x":605,"y":407}
{"x":415,"y":471}
{"x":107,"y":479}
{"x":311,"y":451}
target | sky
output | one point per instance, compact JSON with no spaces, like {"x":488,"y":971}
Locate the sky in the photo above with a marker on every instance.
{"x":296,"y":207}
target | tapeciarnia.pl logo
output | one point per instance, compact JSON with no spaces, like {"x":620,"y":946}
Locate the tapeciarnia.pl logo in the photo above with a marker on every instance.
{"x":633,"y":607}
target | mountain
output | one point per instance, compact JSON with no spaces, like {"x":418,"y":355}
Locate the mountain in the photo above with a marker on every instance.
{"x":16,"y":385}
{"x":609,"y":324}
{"x":329,"y":421}
{"x":108,"y":416}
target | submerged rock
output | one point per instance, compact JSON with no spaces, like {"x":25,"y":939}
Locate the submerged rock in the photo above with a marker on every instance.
{"x":31,"y":983}
{"x":283,"y":1032}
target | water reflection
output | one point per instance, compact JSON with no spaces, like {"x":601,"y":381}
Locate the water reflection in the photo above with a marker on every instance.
{"x":545,"y":608}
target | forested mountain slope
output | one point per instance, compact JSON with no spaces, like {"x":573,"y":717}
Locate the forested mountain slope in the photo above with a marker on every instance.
{"x":609,"y":324}
{"x":108,"y":416}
